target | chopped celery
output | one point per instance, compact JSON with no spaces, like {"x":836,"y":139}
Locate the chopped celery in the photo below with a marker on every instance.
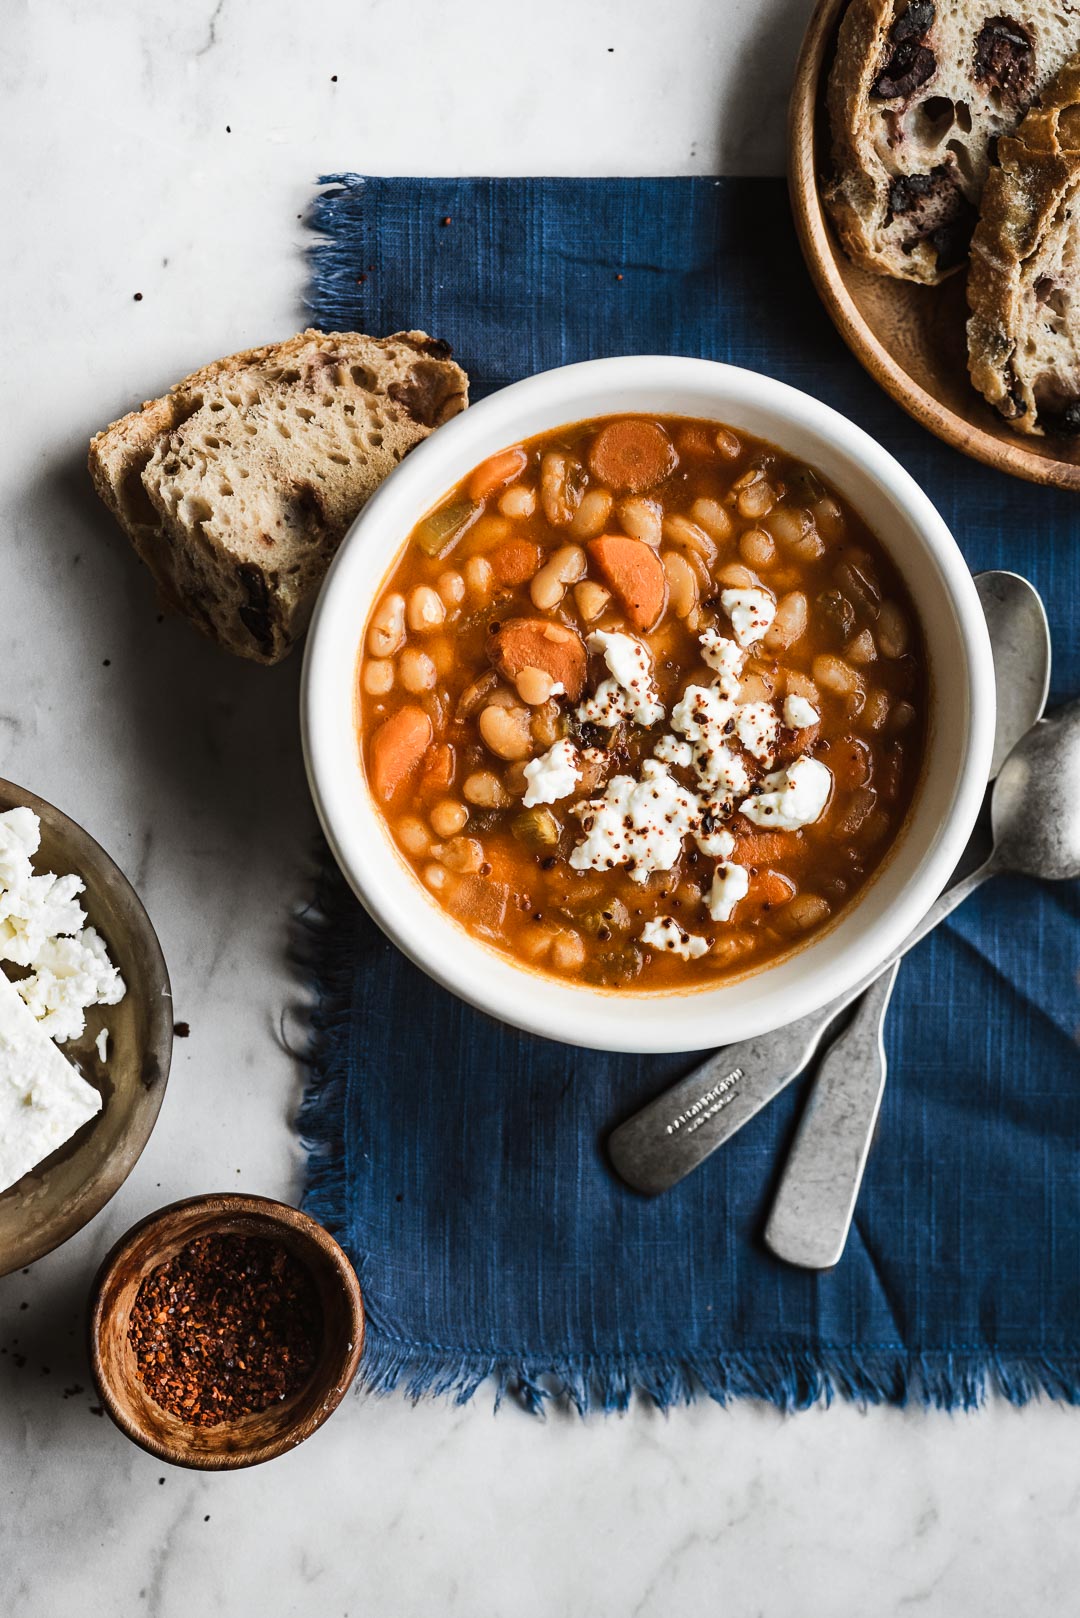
{"x":439,"y":533}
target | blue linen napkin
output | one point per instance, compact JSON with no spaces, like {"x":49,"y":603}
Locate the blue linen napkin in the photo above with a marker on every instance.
{"x":462,"y":1163}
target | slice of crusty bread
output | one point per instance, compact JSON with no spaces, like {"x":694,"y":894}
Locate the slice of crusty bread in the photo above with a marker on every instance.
{"x":918,"y":95}
{"x":1024,"y":281}
{"x":237,"y":487}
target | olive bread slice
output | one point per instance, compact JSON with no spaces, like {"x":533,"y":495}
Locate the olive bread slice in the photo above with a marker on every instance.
{"x":918,"y":95}
{"x":238,"y":485}
{"x":1024,"y":281}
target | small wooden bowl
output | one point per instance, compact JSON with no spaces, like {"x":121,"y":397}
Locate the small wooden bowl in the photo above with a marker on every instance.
{"x":263,"y":1434}
{"x":60,"y":1195}
{"x":912,"y":339}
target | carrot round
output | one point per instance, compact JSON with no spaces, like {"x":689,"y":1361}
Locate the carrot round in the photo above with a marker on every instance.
{"x":758,"y":848}
{"x":397,"y":748}
{"x":768,"y":891}
{"x":537,"y":643}
{"x":632,"y":456}
{"x":438,"y":771}
{"x":636,"y":575}
{"x":514,"y":561}
{"x":496,"y":473}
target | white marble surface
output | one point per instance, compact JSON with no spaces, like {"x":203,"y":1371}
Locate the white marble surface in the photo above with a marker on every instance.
{"x":119,"y":176}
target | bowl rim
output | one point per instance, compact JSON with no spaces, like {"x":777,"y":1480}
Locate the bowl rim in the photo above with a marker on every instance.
{"x":526,"y":999}
{"x":100,"y":1188}
{"x":226,"y":1205}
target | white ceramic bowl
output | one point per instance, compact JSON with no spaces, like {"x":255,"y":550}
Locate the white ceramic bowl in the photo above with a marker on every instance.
{"x":960,"y":735}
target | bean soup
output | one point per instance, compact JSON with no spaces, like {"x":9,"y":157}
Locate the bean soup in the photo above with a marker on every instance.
{"x":643,"y":703}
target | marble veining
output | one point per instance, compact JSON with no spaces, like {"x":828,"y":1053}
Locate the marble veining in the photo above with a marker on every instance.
{"x":169,"y":151}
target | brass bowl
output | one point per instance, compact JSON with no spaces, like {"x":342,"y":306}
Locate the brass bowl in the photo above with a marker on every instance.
{"x":60,"y":1195}
{"x":912,"y":339}
{"x":261,"y":1435}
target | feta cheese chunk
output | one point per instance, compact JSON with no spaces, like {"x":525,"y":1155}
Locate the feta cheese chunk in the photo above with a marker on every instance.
{"x":792,"y":798}
{"x":756,"y":726}
{"x":707,"y":718}
{"x":726,"y":657}
{"x":670,"y":750}
{"x":43,"y":1100}
{"x":553,"y":775}
{"x":718,"y":843}
{"x":730,"y":883}
{"x":20,"y":834}
{"x":751,"y":612}
{"x":35,"y":910}
{"x":631,"y":692}
{"x":639,"y":824}
{"x":102,"y":1045}
{"x":69,"y":975}
{"x":665,"y":933}
{"x":798,"y":713}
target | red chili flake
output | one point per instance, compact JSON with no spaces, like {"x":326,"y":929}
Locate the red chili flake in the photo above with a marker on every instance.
{"x":138,"y":297}
{"x":230,"y":1325}
{"x":181,"y":1029}
{"x":448,"y":220}
{"x":618,"y":277}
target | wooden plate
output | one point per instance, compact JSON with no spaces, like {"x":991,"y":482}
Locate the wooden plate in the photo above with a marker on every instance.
{"x":910,"y":338}
{"x":53,"y":1201}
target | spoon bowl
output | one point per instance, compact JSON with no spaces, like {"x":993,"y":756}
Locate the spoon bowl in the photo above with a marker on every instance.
{"x":1036,"y":803}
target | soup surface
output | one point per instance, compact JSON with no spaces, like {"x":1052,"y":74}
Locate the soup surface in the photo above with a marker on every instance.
{"x":643,"y":702}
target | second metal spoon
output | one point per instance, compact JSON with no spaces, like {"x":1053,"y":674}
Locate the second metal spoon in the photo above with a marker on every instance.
{"x":819,"y":1187}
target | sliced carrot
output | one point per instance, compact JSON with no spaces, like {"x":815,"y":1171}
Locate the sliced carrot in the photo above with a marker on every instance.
{"x":631,"y":456}
{"x":794,"y":743}
{"x":758,"y":848}
{"x":514,"y":561}
{"x":768,"y":891}
{"x":851,"y":763}
{"x":537,"y":643}
{"x":635,"y":573}
{"x":397,"y":748}
{"x":496,"y":473}
{"x":438,"y":769}
{"x":696,"y":441}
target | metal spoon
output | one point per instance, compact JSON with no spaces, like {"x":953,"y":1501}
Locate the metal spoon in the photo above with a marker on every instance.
{"x":819,"y":1187}
{"x":1035,"y":817}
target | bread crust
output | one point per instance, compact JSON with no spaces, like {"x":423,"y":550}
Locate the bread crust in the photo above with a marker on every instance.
{"x":1018,"y":348}
{"x":237,"y":486}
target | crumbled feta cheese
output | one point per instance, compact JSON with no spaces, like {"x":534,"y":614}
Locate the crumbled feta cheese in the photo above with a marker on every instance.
{"x":102,"y":1045}
{"x":43,"y":1099}
{"x":670,"y":750}
{"x":792,"y":798}
{"x":20,"y":834}
{"x":798,"y":713}
{"x":706,"y":718}
{"x":718,"y":843}
{"x":631,"y":692}
{"x":665,"y":933}
{"x":639,"y":824}
{"x":751,"y":612}
{"x":69,"y":975}
{"x":726,"y":657}
{"x":35,"y":910}
{"x":756,"y":726}
{"x":553,"y":775}
{"x":730,"y":883}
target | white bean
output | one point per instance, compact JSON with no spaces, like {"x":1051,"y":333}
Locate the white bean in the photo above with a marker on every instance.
{"x":833,"y":674}
{"x":590,"y":599}
{"x":679,"y":530}
{"x":485,"y":791}
{"x":641,"y":518}
{"x":448,"y":817}
{"x":506,"y":732}
{"x":682,"y":583}
{"x":378,"y":676}
{"x":426,"y":610}
{"x":416,"y":670}
{"x":386,"y":633}
{"x":565,"y":566}
{"x":892,"y":630}
{"x":713,"y":517}
{"x":451,"y":586}
{"x":592,"y":514}
{"x":518,"y":501}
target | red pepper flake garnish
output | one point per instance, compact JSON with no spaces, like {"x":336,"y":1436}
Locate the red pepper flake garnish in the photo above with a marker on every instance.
{"x":230,"y":1325}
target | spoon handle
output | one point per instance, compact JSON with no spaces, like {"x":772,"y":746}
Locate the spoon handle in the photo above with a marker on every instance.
{"x":678,"y":1130}
{"x":812,"y":1212}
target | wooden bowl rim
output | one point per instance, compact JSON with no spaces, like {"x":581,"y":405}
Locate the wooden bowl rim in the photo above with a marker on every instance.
{"x":100,"y":1188}
{"x":227,"y":1205}
{"x":821,"y":252}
